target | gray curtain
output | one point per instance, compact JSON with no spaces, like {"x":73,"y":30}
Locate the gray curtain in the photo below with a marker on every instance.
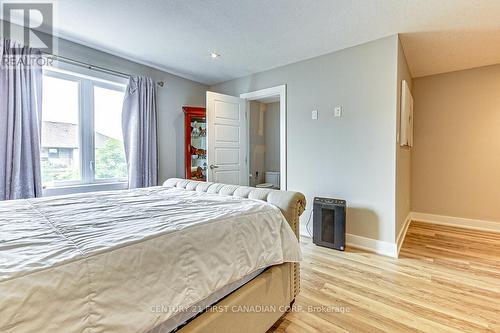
{"x":20,"y":121}
{"x":139,"y":132}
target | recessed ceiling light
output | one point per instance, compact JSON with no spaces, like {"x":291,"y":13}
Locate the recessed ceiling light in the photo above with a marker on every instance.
{"x":214,"y":55}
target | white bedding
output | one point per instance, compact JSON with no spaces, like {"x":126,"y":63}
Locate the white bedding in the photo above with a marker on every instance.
{"x":125,"y":261}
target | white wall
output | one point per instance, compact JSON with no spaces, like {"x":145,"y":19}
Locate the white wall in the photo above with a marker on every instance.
{"x":176,"y":93}
{"x":352,"y":157}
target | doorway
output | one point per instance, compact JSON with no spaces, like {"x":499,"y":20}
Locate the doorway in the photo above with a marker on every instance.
{"x":228,"y":119}
{"x":270,"y":106}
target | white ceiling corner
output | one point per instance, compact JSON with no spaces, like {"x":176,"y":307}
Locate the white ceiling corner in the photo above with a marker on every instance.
{"x":256,"y":35}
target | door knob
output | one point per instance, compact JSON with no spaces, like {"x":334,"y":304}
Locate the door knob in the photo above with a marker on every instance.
{"x":213,"y":166}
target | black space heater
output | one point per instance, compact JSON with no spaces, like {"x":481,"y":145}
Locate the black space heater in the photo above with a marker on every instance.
{"x":329,"y":223}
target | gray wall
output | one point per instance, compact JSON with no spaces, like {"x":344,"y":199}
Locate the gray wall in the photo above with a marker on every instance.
{"x":403,"y":154}
{"x":176,"y":93}
{"x":352,"y":157}
{"x":257,"y":144}
{"x":264,"y":137}
{"x":272,"y":135}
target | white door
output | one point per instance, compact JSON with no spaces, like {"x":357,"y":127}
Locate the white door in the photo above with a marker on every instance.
{"x":227,"y":139}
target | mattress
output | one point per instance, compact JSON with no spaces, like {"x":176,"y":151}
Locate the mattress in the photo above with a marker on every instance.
{"x":106,"y":262}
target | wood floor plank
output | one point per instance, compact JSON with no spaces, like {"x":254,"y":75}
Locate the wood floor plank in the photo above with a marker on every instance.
{"x":446,"y":279}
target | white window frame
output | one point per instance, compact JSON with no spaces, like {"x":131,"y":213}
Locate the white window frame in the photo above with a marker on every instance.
{"x":86,"y":79}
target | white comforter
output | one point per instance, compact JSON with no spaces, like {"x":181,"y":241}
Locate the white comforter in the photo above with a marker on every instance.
{"x":125,"y":261}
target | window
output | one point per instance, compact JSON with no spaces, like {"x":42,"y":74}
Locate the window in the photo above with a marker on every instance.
{"x":82,"y":140}
{"x":108,"y":148}
{"x":60,"y":120}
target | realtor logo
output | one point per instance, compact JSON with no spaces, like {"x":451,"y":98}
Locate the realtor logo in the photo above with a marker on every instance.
{"x":23,"y":22}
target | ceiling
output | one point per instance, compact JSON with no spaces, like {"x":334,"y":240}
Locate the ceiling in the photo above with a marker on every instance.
{"x":256,"y":35}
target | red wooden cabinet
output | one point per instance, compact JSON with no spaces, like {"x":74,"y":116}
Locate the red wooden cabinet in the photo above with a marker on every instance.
{"x":195,"y":130}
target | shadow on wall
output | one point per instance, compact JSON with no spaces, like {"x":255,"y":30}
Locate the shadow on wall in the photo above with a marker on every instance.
{"x":363,"y":222}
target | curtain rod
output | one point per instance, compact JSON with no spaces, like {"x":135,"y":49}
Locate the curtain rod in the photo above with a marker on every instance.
{"x":94,"y":67}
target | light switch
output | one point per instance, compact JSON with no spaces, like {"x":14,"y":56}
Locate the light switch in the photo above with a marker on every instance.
{"x":338,"y":111}
{"x":314,"y":114}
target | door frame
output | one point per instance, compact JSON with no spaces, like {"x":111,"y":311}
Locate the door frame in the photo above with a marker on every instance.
{"x":266,"y":93}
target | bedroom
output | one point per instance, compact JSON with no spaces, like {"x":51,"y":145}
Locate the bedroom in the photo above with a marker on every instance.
{"x":97,"y":218}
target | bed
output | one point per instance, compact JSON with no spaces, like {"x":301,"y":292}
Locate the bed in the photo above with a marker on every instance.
{"x":150,"y":260}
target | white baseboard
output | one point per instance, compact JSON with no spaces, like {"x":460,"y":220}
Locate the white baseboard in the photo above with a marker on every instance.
{"x":372,"y":245}
{"x":459,"y":222}
{"x":392,"y":249}
{"x":368,"y":244}
{"x":402,"y":232}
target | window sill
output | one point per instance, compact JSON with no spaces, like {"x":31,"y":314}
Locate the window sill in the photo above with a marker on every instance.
{"x":84,"y":188}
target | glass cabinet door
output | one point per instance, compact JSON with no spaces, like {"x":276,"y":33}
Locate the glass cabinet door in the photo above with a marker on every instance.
{"x":195,"y":129}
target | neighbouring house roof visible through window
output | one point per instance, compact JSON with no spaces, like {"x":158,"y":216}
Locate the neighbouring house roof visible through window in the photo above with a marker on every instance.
{"x":65,"y":135}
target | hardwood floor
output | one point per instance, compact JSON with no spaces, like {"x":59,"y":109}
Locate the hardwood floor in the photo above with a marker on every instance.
{"x":446,"y":280}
